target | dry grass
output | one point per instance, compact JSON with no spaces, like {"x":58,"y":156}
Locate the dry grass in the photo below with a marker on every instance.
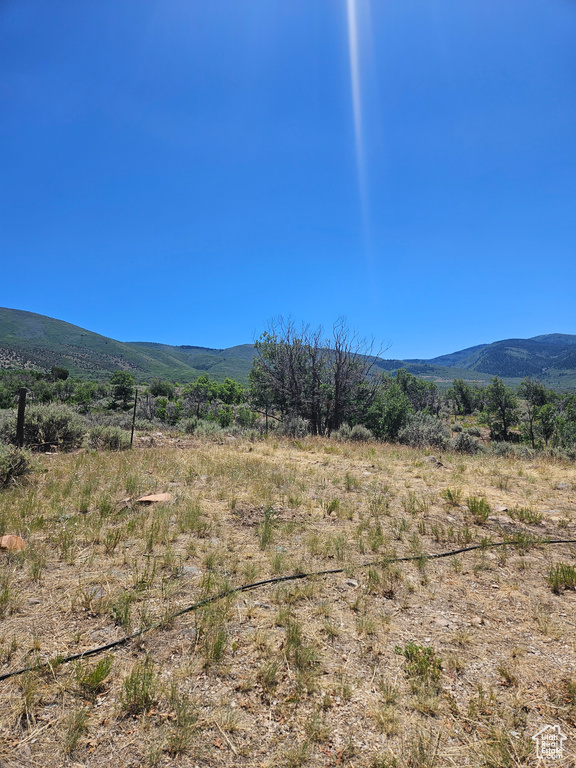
{"x":303,"y":673}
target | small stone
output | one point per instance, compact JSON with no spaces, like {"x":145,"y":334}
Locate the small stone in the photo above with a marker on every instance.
{"x":499,"y":509}
{"x":33,"y":601}
{"x":12,"y":543}
{"x":155,"y":498}
{"x":351,"y":583}
{"x":561,"y":486}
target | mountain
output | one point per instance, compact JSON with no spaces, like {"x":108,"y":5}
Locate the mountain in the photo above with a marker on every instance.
{"x":550,"y":358}
{"x":29,"y":340}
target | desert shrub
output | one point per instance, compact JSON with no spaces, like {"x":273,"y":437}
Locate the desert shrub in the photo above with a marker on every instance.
{"x":456,"y":427}
{"x":189,"y":425}
{"x":465,"y":443}
{"x":8,"y":426}
{"x":512,"y":450}
{"x":14,"y":463}
{"x":424,"y":430}
{"x":343,"y":433}
{"x":474,"y":431}
{"x":361,"y":433}
{"x":208,"y":429}
{"x":293,"y":426}
{"x":53,"y":425}
{"x":109,"y":438}
{"x":144,"y":425}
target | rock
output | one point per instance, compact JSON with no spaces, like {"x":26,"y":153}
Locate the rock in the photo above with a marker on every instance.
{"x":12,"y":543}
{"x":351,"y":583}
{"x":499,"y":509}
{"x":154,"y":498}
{"x":561,"y":486}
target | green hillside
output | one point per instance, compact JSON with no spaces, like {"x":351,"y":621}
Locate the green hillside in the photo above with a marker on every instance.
{"x":29,"y":340}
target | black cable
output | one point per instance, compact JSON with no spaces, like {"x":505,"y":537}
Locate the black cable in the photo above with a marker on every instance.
{"x":57,"y":661}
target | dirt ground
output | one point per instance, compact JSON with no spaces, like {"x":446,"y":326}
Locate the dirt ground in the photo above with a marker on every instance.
{"x":458,"y":661}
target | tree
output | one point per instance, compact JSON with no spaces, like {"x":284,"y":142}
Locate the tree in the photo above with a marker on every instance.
{"x":465,"y":397}
{"x":321,"y":380}
{"x":200,"y":393}
{"x":390,"y":410}
{"x":502,"y":408}
{"x":536,"y":397}
{"x":122,"y":387}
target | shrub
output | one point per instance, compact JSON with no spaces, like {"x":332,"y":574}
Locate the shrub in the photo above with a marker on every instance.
{"x":424,"y":430}
{"x":510,"y":449}
{"x":421,"y":664}
{"x":464,"y":443}
{"x":343,"y":433}
{"x":14,"y":463}
{"x":109,"y":438}
{"x":208,"y":429}
{"x":8,"y":426}
{"x":294,"y":426}
{"x":479,"y":508}
{"x":189,"y":425}
{"x":562,"y":576}
{"x":245,"y":417}
{"x":361,"y":433}
{"x":53,"y":425}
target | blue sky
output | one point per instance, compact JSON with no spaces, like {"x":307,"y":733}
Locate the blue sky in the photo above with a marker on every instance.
{"x":183,"y":171}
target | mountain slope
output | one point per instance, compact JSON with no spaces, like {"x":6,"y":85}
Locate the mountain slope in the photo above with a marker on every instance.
{"x":36,"y":341}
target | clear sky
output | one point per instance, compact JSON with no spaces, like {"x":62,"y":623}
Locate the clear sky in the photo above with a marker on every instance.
{"x":183,"y":170}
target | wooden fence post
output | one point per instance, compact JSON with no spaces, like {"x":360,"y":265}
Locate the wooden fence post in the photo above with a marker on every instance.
{"x":20,"y":422}
{"x":134,"y":416}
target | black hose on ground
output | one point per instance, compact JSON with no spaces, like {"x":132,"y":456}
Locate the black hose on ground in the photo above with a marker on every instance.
{"x":58,"y":660}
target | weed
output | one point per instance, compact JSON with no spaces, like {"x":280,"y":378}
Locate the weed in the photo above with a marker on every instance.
{"x":331,"y":506}
{"x":5,"y":594}
{"x":526,"y":515}
{"x":351,"y":483}
{"x":453,"y":496}
{"x":266,"y":528}
{"x":268,"y":675}
{"x":111,"y":540}
{"x":92,"y":680}
{"x":185,"y":719}
{"x":508,"y":677}
{"x":479,"y":508}
{"x":120,"y":609}
{"x":140,"y":688}
{"x":421,"y":664}
{"x":561,"y":576}
{"x":76,"y":728}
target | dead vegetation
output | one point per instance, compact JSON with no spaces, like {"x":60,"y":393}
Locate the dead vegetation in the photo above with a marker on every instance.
{"x":453,"y":662}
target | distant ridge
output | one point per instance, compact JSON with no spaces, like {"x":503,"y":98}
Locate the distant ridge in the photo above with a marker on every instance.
{"x":30,"y":340}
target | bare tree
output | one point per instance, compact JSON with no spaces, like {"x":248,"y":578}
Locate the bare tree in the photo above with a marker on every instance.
{"x":323,"y":380}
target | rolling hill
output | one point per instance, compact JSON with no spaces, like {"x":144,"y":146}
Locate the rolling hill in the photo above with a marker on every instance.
{"x":29,"y":340}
